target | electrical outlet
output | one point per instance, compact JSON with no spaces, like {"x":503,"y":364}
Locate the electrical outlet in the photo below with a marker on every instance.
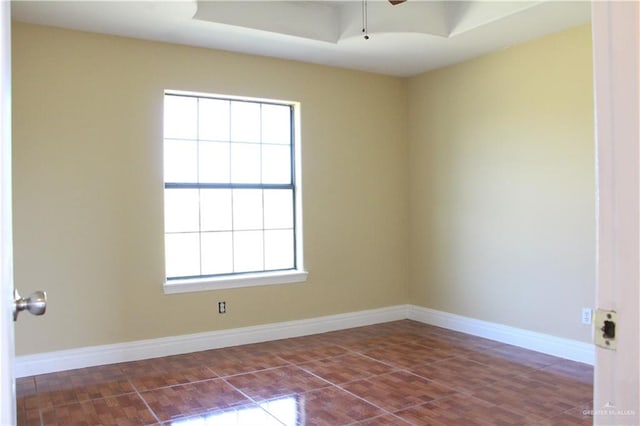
{"x":586,"y":316}
{"x":222,"y":307}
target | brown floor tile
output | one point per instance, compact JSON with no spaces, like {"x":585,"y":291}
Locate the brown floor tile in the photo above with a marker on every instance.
{"x":252,"y":348}
{"x":524,"y":356}
{"x":362,"y":338}
{"x":346,"y":368}
{"x":364,"y":343}
{"x":384,"y":420}
{"x":123,"y":410}
{"x":25,"y":386}
{"x":398,"y":390}
{"x":454,"y":348}
{"x":490,"y":359}
{"x":276,"y":382}
{"x":572,"y":370}
{"x":580,"y":415}
{"x":406,"y":356}
{"x":427,"y":374}
{"x":152,"y":374}
{"x":460,"y":339}
{"x":327,"y":406}
{"x":299,"y":355}
{"x":154,"y":380}
{"x":459,"y":347}
{"x":228,"y":362}
{"x":28,"y":417}
{"x":567,"y":419}
{"x":446,"y":347}
{"x":296,"y":344}
{"x":166,"y":364}
{"x":194,"y":398}
{"x":26,"y":397}
{"x":578,"y":389}
{"x":72,"y":386}
{"x":243,"y":415}
{"x":186,"y":361}
{"x":378,"y":341}
{"x":525,"y":395}
{"x":461,"y":374}
{"x":463,"y":410}
{"x":353,"y":335}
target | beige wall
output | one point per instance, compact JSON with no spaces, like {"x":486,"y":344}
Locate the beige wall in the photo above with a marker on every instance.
{"x":502,"y":206}
{"x":88,"y":187}
{"x":468,"y":189}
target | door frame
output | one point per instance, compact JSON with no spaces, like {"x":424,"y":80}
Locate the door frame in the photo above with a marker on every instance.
{"x":7,"y":380}
{"x":616,"y":46}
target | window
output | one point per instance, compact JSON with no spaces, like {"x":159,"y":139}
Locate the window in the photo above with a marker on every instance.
{"x":231,"y":200}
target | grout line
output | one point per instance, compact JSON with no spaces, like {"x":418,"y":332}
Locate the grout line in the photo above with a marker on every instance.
{"x":380,"y":416}
{"x":153,"y":413}
{"x":257,"y":371}
{"x":255,"y":402}
{"x":385,"y":411}
{"x":246,"y":395}
{"x":37,"y":395}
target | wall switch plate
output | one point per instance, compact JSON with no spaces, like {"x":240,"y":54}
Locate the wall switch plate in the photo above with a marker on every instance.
{"x":586,"y":316}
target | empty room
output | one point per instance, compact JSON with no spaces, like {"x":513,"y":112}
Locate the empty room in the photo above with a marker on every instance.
{"x":305,"y":212}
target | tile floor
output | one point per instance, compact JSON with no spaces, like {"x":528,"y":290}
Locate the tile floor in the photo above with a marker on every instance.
{"x":397,"y":373}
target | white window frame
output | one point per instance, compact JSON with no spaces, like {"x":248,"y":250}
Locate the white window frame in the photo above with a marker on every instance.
{"x":290,"y":276}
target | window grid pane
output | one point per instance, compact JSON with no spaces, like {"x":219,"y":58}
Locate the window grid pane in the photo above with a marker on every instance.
{"x":236,"y":165}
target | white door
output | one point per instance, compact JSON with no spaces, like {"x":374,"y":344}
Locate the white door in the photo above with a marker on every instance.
{"x":616,"y":37}
{"x":7,"y":388}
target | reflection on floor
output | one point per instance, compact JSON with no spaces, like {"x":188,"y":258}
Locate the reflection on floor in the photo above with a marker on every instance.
{"x":397,"y":373}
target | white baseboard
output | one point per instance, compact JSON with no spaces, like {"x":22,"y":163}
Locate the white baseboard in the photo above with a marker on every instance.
{"x":29,"y":365}
{"x":42,"y":363}
{"x":545,"y":343}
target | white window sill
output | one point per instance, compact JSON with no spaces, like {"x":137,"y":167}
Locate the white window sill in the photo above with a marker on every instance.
{"x":234,"y":281}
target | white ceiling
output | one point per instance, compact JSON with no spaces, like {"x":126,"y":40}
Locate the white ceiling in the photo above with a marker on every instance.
{"x":405,"y":39}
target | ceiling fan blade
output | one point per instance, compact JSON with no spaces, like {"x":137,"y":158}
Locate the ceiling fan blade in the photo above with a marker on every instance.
{"x":395,"y":2}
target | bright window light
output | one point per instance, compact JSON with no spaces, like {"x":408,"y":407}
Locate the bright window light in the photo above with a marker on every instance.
{"x":230,"y":187}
